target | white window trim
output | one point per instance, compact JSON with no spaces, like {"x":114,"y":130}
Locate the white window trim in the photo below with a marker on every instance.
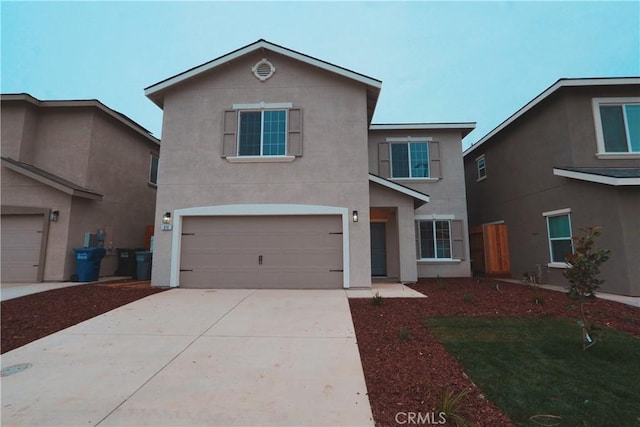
{"x":410,"y":140}
{"x":435,"y":217}
{"x":262,"y":110}
{"x":261,"y":159}
{"x":597,"y":120}
{"x":252,"y":210}
{"x":558,"y":265}
{"x":557,"y":212}
{"x":547,"y":215}
{"x":483,"y":177}
{"x":264,"y":105}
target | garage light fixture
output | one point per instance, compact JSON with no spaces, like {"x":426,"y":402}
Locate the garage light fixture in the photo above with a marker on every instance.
{"x":355,"y":216}
{"x":53,"y":216}
{"x":166,"y":222}
{"x":166,"y":218}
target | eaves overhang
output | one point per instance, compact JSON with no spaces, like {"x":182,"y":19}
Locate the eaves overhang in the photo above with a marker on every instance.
{"x":464,"y":127}
{"x":610,"y":176}
{"x":50,"y":179}
{"x":155,"y":91}
{"x":565,"y":82}
{"x":419,"y":198}
{"x":74,"y":103}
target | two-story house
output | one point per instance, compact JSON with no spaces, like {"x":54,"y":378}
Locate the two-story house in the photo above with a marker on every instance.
{"x":567,"y":160}
{"x":272,"y":175}
{"x":71,"y":168}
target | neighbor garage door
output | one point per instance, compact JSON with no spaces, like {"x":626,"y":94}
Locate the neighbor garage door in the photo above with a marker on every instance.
{"x":262,"y":252}
{"x":21,"y":241}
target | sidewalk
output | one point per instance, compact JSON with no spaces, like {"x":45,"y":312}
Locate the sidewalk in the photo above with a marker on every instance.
{"x":15,"y":290}
{"x":632,"y":301}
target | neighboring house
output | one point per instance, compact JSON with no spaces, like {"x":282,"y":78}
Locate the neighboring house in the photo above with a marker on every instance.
{"x":69,"y":168}
{"x":271,"y":175}
{"x":567,"y":160}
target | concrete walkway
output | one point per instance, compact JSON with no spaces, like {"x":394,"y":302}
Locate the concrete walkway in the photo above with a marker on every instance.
{"x":196,"y":358}
{"x":15,"y":290}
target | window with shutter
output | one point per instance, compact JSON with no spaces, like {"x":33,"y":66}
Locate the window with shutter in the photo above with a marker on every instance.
{"x":410,"y":158}
{"x":252,"y":131}
{"x":440,"y":239}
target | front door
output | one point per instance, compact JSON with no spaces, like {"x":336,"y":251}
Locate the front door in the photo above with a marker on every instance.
{"x":378,"y":249}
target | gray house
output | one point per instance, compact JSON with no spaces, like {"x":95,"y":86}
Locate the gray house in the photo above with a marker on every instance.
{"x":68,"y":168}
{"x":272,"y":175}
{"x":568,"y":159}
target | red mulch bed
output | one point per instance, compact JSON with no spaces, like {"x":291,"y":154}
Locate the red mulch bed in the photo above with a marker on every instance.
{"x":402,"y":375}
{"x":411,"y":375}
{"x":31,"y":317}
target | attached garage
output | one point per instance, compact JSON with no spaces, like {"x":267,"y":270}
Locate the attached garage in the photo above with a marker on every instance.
{"x":268,"y":251}
{"x":22,"y":241}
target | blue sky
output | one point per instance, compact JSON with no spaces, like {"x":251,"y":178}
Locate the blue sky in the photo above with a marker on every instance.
{"x":438,"y":61}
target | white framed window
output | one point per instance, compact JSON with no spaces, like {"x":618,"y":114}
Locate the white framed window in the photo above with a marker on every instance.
{"x":410,"y":159}
{"x":481,"y":166}
{"x":434,"y":239}
{"x":559,"y":236}
{"x":153,"y":169}
{"x":617,"y":125}
{"x":262,"y":133}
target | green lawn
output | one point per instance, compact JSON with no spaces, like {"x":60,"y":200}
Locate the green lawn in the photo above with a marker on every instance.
{"x":537,"y":366}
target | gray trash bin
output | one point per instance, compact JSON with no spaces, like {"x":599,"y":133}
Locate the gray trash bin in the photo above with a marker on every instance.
{"x":143,"y":265}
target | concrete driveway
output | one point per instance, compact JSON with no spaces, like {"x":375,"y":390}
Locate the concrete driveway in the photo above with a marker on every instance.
{"x":196,"y":358}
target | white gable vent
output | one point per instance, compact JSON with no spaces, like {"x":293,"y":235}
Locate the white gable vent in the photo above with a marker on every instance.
{"x":263,"y":69}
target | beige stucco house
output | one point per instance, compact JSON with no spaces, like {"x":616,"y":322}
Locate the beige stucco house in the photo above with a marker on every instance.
{"x":68,"y":168}
{"x":272,"y":175}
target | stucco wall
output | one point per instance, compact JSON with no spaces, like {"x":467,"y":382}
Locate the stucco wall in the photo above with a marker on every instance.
{"x":446,"y":195}
{"x":18,"y":190}
{"x":89,"y":148}
{"x":332,"y":170}
{"x":520,"y":186}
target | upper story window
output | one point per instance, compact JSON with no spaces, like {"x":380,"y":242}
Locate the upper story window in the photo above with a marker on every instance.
{"x":410,"y":159}
{"x":153,"y":170}
{"x":481,"y":166}
{"x":262,"y":133}
{"x":617,"y":122}
{"x":559,"y":234}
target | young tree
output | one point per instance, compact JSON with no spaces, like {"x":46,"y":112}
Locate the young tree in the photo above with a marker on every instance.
{"x":585,"y":264}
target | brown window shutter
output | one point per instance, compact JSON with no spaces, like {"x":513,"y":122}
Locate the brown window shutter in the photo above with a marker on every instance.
{"x":384,"y":168}
{"x":294,"y":132}
{"x":229,"y":129}
{"x":435,"y":170}
{"x":417,"y":231}
{"x":457,"y":239}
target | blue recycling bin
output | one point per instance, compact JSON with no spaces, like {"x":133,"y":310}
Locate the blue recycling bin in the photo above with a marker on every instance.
{"x":143,"y":265}
{"x":88,"y":263}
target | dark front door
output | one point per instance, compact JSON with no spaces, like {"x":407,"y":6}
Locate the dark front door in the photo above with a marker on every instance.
{"x":378,"y":249}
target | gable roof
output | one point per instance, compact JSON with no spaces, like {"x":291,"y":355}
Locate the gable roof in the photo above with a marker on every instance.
{"x":601,"y":81}
{"x":155,"y":91}
{"x":50,"y":179}
{"x":25,"y":97}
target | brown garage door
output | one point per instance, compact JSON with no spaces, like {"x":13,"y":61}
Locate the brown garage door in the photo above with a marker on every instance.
{"x":21,"y":241}
{"x":261,"y":252}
